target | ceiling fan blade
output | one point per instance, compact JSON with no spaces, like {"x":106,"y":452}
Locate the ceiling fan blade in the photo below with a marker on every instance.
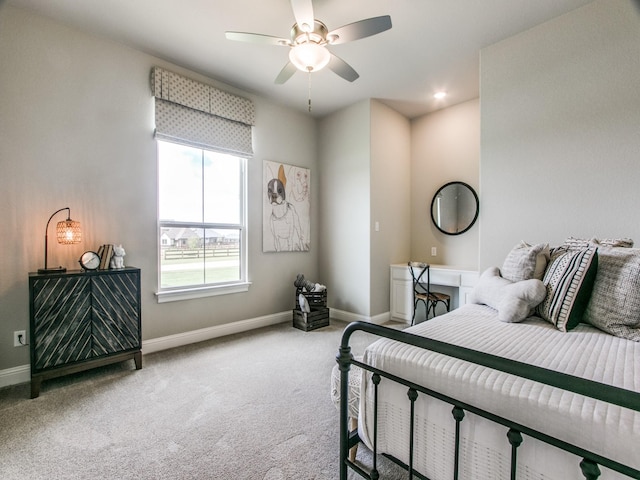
{"x":342,"y":68}
{"x":286,"y":73}
{"x":361,"y":29}
{"x":303,"y":11}
{"x":257,"y":38}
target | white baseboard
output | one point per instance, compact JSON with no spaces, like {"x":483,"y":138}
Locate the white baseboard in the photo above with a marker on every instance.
{"x":195,"y":336}
{"x":22,"y":373}
{"x":355,"y":317}
{"x":15,"y":375}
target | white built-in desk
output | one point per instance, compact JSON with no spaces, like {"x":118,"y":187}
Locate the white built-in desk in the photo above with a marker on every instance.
{"x":456,"y":282}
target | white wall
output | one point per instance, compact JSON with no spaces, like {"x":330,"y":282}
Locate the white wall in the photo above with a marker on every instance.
{"x":76,"y":129}
{"x":445,"y":147}
{"x":560,"y":115}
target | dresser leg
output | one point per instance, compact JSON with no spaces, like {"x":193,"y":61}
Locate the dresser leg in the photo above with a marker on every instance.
{"x":137,"y":357}
{"x":35,"y":387}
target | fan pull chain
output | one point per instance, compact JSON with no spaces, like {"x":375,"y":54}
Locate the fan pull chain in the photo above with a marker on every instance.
{"x":309,"y":89}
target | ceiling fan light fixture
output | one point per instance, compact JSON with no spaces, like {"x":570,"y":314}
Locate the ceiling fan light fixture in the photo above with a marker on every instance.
{"x":309,"y":39}
{"x":304,"y":34}
{"x":309,"y":57}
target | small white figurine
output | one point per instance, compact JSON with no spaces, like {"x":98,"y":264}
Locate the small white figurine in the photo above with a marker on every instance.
{"x":117,"y":260}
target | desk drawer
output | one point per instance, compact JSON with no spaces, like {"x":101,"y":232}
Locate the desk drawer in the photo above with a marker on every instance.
{"x":442,"y":277}
{"x":401,"y":273}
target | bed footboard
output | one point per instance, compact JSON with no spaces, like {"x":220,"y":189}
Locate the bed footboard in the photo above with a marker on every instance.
{"x":590,"y":464}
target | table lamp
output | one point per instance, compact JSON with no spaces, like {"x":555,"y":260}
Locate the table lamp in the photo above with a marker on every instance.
{"x":67,"y":232}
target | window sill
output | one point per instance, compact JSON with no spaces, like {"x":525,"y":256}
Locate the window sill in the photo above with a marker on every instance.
{"x":192,"y":293}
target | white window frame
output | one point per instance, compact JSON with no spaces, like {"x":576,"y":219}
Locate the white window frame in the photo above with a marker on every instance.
{"x":193,"y":292}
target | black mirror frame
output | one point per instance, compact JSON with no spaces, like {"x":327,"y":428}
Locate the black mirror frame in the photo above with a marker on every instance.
{"x":475,"y":217}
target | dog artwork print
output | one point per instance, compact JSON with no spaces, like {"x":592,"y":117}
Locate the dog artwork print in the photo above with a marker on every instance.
{"x":286,"y":221}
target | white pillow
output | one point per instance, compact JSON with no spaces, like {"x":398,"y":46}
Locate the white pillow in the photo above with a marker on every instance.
{"x":514,"y":301}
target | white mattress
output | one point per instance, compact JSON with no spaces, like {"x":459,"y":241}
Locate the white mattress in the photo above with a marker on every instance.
{"x":586,"y":352}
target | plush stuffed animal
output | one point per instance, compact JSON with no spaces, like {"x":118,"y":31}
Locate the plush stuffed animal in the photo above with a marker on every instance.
{"x":307,"y":285}
{"x":513,"y":300}
{"x":117,"y":260}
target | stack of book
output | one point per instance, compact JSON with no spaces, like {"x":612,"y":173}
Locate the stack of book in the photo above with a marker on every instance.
{"x":105,"y":252}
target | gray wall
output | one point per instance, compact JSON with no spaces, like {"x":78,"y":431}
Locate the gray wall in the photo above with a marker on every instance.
{"x":76,"y":129}
{"x":364,"y":158}
{"x":345,"y":207}
{"x":557,"y":120}
{"x":560,"y":123}
{"x":445,"y":147}
{"x":390,"y":199}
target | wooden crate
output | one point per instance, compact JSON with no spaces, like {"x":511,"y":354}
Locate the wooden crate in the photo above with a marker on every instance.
{"x":317,"y":318}
{"x":315,"y":299}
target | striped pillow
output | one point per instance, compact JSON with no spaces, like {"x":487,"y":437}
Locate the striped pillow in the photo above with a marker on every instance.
{"x":569,"y":280}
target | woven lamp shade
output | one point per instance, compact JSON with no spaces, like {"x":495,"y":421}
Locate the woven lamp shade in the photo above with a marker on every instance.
{"x":69,"y":232}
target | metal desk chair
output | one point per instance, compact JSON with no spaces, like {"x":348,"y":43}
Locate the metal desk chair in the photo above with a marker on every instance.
{"x":422,"y":292}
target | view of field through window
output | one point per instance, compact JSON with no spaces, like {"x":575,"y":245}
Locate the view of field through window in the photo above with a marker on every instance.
{"x":200,"y":216}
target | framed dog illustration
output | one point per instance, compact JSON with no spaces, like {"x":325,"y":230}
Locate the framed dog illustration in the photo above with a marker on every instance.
{"x":286,"y":222}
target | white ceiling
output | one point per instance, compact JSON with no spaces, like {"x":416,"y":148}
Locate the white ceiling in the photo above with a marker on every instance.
{"x":433,"y":45}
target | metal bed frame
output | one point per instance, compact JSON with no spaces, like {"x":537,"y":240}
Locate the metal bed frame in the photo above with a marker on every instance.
{"x":599,"y":391}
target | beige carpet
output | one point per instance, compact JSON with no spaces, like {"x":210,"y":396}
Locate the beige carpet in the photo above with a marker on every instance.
{"x":247,"y":406}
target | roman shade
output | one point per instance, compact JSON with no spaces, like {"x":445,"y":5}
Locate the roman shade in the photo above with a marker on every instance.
{"x":200,"y":115}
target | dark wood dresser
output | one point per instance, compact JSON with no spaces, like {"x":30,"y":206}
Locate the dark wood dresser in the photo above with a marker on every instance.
{"x":81,"y":320}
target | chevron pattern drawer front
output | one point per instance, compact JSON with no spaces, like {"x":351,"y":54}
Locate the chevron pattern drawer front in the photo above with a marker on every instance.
{"x":115,"y":313}
{"x":80,"y":320}
{"x":61,"y":331}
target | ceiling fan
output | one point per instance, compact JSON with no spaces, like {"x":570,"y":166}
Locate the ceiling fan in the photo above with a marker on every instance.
{"x":309,"y":39}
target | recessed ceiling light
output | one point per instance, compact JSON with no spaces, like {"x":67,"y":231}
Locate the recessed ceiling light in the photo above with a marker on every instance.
{"x":439,"y":95}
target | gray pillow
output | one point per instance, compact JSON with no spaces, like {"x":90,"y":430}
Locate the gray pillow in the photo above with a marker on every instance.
{"x":526,"y":261}
{"x":614,"y":306}
{"x":579,"y":243}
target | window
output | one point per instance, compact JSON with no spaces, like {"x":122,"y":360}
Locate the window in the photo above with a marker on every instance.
{"x":201,"y":218}
{"x":202,"y":236}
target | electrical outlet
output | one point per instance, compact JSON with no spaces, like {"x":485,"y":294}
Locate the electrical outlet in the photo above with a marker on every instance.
{"x":434,"y":251}
{"x":19,"y":338}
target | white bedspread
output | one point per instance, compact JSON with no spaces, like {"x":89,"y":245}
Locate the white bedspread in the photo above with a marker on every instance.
{"x":586,"y":352}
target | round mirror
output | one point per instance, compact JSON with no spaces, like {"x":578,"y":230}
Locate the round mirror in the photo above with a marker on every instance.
{"x":454,"y":208}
